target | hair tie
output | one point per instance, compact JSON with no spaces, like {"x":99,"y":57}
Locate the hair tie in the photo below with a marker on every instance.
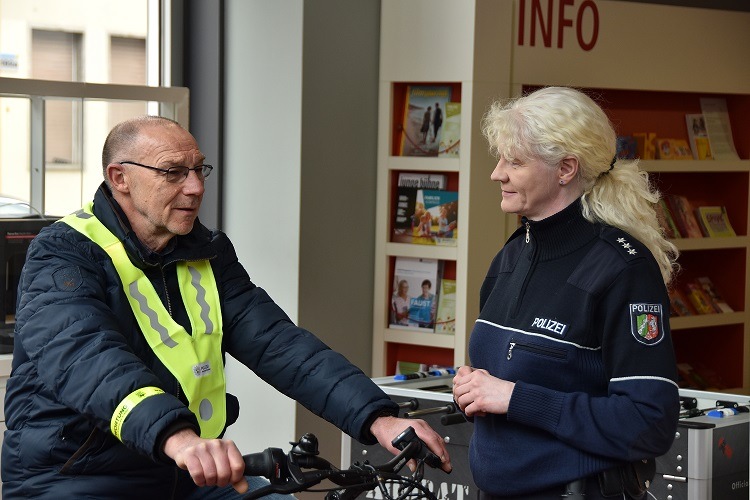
{"x":611,"y":166}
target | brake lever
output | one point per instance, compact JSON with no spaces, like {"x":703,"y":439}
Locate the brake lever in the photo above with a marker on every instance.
{"x":409,"y":437}
{"x":398,"y":461}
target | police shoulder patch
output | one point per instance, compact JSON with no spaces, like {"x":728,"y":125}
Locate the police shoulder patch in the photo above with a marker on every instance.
{"x":646,"y":323}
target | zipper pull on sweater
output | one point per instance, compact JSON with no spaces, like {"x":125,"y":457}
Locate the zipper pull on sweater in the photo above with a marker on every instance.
{"x":528,"y":227}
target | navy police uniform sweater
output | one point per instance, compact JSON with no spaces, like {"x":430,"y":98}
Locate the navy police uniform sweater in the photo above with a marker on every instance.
{"x":577,"y":315}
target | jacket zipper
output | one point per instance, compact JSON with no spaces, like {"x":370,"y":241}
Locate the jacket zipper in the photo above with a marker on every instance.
{"x":169,"y":310}
{"x":166,"y":291}
{"x":543,"y":350}
{"x":529,"y":271}
{"x":79,"y":452}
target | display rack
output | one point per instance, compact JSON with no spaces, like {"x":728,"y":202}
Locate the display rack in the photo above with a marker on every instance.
{"x":714,"y":344}
{"x":499,"y":49}
{"x":475,"y":80}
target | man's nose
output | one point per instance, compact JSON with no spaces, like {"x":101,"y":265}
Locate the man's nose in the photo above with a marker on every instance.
{"x":194,"y":183}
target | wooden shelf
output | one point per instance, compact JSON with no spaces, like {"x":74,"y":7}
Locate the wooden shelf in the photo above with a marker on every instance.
{"x":694,"y":166}
{"x":415,"y":163}
{"x":689,"y":244}
{"x":707,"y":320}
{"x":419,"y":338}
{"x":424,"y":251}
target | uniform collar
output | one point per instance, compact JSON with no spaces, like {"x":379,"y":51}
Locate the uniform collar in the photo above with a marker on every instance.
{"x":562,"y":233}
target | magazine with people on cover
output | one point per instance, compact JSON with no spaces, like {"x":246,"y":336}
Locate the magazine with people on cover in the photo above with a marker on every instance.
{"x":414,"y":299}
{"x":409,"y":203}
{"x":424,"y":114}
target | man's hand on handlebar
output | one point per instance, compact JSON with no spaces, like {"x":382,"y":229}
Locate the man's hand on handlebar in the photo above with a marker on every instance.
{"x":385,"y":429}
{"x":210,"y":462}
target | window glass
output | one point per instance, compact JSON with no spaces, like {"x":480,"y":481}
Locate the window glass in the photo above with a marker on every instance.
{"x":127,"y":66}
{"x":56,"y":55}
{"x":96,"y":41}
{"x":15,"y":173}
{"x":31,"y":30}
{"x":69,"y":188}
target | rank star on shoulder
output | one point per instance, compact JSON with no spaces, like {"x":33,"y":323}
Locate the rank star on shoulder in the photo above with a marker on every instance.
{"x":620,"y":240}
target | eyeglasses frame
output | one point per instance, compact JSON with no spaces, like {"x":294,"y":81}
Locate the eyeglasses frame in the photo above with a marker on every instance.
{"x":198,"y":169}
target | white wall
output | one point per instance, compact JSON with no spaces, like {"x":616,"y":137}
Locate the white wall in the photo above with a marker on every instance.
{"x":300,"y":160}
{"x":262,"y":184}
{"x":339,"y":165}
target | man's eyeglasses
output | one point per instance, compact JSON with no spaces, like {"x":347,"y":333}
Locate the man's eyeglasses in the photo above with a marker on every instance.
{"x":178,"y":173}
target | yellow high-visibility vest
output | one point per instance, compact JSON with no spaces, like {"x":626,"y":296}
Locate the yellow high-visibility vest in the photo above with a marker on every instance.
{"x":195,"y":360}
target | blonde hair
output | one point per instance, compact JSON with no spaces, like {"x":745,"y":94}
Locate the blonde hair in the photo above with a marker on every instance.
{"x":553,"y":123}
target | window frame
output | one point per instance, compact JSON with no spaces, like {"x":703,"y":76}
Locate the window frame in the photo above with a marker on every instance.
{"x":170,"y":102}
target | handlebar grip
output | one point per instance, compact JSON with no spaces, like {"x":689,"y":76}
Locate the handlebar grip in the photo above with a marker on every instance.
{"x":409,"y":436}
{"x":269,"y":463}
{"x":453,"y":418}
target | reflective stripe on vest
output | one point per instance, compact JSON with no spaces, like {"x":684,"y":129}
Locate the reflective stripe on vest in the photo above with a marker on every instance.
{"x":195,"y":360}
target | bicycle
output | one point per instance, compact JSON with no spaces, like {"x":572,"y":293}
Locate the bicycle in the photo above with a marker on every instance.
{"x":285,"y":471}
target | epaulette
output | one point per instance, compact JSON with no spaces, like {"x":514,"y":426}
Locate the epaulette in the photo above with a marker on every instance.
{"x":627,"y":246}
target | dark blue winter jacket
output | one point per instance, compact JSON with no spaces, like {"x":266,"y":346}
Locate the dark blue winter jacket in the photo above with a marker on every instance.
{"x":79,"y":352}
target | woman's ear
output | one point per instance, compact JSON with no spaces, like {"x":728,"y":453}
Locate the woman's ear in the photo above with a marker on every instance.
{"x":568,"y":169}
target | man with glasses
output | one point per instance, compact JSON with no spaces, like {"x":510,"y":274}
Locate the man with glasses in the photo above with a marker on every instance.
{"x":126,"y":310}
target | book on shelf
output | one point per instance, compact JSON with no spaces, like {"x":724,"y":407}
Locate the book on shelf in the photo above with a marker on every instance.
{"x":420,"y":180}
{"x":450,"y":139}
{"x":718,"y":128}
{"x":424,"y":114}
{"x":699,"y":377}
{"x":403,"y":367}
{"x":720,"y":305}
{"x":439,"y":219}
{"x":684,"y":217}
{"x":445,"y":321}
{"x":413,"y":303}
{"x":673,"y":149}
{"x":698,"y":136}
{"x":645,"y":143}
{"x":666,"y":221}
{"x":714,"y":222}
{"x":679,"y":303}
{"x":409,"y":202}
{"x":627,"y":147}
{"x":690,"y":378}
{"x":700,"y":301}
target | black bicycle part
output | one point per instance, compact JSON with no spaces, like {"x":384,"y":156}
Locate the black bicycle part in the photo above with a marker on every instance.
{"x":286,"y":475}
{"x":422,"y":453}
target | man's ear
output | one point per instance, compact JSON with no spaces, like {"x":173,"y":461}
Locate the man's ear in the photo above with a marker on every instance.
{"x":117,"y":179}
{"x":568,"y":169}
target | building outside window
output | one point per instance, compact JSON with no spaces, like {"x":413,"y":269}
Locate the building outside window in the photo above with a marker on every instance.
{"x":92,"y":41}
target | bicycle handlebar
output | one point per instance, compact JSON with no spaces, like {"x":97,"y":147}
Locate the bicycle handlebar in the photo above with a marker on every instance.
{"x":285,"y":473}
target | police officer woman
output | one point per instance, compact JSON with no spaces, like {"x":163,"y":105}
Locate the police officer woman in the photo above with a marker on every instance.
{"x":573,"y":377}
